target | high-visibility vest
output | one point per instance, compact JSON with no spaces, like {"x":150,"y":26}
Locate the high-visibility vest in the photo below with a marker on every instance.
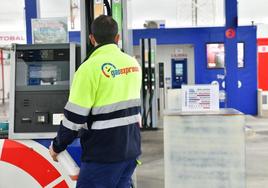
{"x":105,"y":94}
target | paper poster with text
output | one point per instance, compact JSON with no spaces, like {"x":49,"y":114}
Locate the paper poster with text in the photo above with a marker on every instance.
{"x":200,"y":98}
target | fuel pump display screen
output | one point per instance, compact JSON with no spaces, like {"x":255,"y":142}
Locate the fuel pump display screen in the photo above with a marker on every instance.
{"x":45,"y":74}
{"x":179,"y":72}
{"x":179,"y":69}
{"x":44,"y":68}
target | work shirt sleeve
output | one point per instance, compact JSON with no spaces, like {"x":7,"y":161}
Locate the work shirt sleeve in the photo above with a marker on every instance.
{"x":76,"y":111}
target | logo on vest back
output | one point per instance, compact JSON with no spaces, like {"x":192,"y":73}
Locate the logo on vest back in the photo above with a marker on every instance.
{"x":109,"y":70}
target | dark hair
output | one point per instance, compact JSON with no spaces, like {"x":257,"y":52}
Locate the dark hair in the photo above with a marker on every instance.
{"x":104,"y":29}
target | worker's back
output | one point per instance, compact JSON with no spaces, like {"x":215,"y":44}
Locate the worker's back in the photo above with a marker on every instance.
{"x":104,"y":106}
{"x":113,"y":94}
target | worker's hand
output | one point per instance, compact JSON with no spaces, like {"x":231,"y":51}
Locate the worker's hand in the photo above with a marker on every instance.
{"x":140,"y":121}
{"x":53,"y":154}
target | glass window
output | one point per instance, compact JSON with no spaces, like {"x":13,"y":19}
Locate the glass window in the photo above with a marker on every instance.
{"x":216,"y":55}
{"x":240,"y":54}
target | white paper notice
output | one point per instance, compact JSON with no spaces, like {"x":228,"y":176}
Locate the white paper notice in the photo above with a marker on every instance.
{"x":57,"y":118}
{"x":200,"y":98}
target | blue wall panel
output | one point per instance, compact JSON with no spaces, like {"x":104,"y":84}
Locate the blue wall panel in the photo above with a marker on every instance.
{"x":74,"y":36}
{"x":248,"y":74}
{"x":30,"y":12}
{"x":246,"y":98}
{"x":231,"y":59}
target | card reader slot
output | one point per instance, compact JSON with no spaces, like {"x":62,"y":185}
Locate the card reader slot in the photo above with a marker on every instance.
{"x":26,"y":120}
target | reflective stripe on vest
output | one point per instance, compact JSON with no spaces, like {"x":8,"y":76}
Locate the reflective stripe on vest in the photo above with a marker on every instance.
{"x":73,"y":126}
{"x":77,"y":109}
{"x":116,"y":106}
{"x":98,"y":125}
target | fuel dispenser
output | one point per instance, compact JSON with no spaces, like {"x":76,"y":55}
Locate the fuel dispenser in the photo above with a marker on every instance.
{"x":179,"y":72}
{"x":149,"y":92}
{"x":161,"y":89}
{"x":41,"y":77}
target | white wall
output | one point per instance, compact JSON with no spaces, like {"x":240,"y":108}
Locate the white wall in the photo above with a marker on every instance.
{"x":54,"y":8}
{"x":12,"y":15}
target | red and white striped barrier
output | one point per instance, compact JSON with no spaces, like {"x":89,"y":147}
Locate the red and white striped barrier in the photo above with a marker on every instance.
{"x":26,"y":163}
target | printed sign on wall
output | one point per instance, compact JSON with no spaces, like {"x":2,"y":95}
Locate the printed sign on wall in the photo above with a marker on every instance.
{"x":50,"y":30}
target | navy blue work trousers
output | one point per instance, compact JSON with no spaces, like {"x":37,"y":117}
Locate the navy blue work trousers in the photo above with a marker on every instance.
{"x":106,"y":175}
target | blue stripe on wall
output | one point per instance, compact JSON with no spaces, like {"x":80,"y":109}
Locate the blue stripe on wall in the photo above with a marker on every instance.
{"x":74,"y":36}
{"x":231,"y":78}
{"x":30,"y":12}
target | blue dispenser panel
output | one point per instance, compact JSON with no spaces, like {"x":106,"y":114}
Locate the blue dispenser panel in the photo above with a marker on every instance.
{"x":179,"y":72}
